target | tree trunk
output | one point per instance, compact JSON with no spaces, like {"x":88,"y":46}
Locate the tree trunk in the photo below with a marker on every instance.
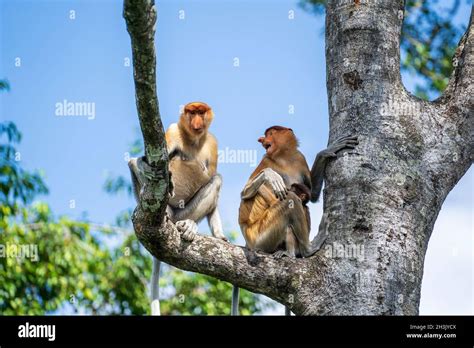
{"x":386,"y":197}
{"x":380,"y":202}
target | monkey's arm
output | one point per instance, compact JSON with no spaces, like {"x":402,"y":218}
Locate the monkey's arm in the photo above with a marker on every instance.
{"x":137,"y":179}
{"x":252,"y":186}
{"x":213,"y":156}
{"x":173,"y":139}
{"x":267,"y":175}
{"x":317,"y":177}
{"x":323,"y":158}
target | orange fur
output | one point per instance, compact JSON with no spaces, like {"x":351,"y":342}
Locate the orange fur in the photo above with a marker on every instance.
{"x":264,"y":212}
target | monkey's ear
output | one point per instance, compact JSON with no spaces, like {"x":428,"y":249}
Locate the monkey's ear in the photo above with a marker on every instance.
{"x":208,"y":116}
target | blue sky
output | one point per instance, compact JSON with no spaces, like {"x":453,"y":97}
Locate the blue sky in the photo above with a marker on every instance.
{"x":281,"y":63}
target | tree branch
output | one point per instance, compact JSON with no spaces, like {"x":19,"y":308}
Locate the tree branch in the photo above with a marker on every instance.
{"x":452,"y":144}
{"x":140,"y":16}
{"x":460,"y":87}
{"x":257,"y":272}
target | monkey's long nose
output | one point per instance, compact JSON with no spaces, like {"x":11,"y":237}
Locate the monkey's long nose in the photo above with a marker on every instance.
{"x":197,"y":125}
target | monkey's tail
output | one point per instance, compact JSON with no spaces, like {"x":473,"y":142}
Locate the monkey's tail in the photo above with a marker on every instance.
{"x":155,"y":287}
{"x":235,"y":301}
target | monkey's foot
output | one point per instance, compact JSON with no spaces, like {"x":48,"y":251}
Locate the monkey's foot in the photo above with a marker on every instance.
{"x":221,"y":237}
{"x":188,"y":228}
{"x":282,"y":253}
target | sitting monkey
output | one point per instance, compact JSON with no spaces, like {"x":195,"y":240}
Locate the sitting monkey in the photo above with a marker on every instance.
{"x":192,"y":151}
{"x":273,"y":214}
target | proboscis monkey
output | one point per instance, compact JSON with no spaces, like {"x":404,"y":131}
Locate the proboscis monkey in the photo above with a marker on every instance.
{"x":192,"y":151}
{"x":273,"y":215}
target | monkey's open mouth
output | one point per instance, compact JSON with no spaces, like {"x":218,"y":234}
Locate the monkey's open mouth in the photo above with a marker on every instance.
{"x":267,"y":146}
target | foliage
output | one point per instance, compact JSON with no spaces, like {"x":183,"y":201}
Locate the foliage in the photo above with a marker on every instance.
{"x":429,"y":39}
{"x":63,"y":259}
{"x":62,"y":264}
{"x":4,"y":85}
{"x":15,"y":183}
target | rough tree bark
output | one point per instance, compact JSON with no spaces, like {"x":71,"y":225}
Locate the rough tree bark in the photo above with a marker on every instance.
{"x":382,"y":199}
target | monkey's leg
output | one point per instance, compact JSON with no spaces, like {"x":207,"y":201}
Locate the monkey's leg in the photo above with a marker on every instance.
{"x":137,"y":177}
{"x":273,"y":228}
{"x":308,"y":249}
{"x":299,"y":222}
{"x":214,"y":221}
{"x":290,"y":243}
{"x":155,"y":287}
{"x":203,"y":202}
{"x":320,"y":238}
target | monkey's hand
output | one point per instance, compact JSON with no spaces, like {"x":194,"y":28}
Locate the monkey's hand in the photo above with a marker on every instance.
{"x":276,"y":182}
{"x":188,"y":228}
{"x":323,"y":158}
{"x":346,"y":142}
